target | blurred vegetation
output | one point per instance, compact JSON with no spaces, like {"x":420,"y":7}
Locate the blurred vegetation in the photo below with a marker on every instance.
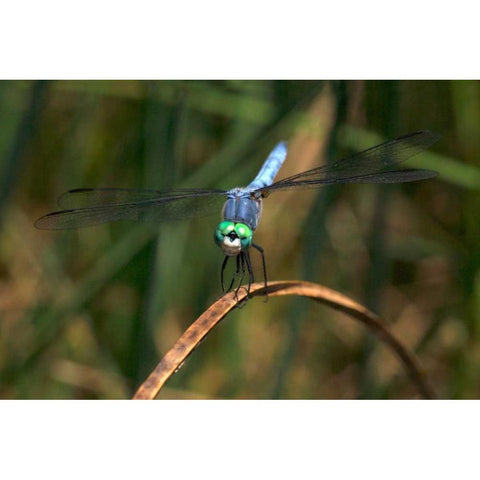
{"x":88,"y":313}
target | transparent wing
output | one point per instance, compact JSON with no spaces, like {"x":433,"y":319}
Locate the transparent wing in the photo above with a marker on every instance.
{"x":375,"y":165}
{"x":88,"y":197}
{"x":97,"y":206}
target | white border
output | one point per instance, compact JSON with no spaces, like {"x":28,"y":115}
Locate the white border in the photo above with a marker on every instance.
{"x":246,"y":40}
{"x":231,"y":439}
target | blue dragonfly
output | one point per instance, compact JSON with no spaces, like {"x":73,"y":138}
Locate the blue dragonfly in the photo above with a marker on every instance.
{"x":242,"y":206}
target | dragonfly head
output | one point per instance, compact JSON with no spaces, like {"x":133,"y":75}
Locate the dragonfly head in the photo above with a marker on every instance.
{"x":233,"y":237}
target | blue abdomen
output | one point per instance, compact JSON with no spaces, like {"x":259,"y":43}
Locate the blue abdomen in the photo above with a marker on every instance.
{"x":270,"y":167}
{"x":241,"y":206}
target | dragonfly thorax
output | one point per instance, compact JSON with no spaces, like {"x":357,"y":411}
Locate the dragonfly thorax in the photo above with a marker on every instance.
{"x":242,"y":207}
{"x":233,"y":238}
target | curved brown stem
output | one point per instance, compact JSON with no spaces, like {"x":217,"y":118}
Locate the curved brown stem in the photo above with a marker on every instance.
{"x":187,"y":343}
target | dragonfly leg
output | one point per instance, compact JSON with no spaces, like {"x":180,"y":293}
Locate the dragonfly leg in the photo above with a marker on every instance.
{"x":235,"y":275}
{"x":251,"y":278}
{"x":224,"y":265}
{"x":260,"y":249}
{"x":241,"y":262}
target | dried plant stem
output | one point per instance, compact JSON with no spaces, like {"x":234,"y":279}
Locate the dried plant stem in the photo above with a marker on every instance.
{"x":187,"y":343}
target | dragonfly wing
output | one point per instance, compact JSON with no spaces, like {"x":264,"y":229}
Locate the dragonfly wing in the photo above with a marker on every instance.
{"x":88,"y":197}
{"x":375,"y":165}
{"x":394,"y":176}
{"x":168,"y":207}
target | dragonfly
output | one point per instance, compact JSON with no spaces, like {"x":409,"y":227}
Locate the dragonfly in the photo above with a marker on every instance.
{"x":242,"y":206}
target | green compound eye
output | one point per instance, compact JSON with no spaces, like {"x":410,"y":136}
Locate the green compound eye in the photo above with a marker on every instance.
{"x":245,"y":234}
{"x":226,"y":227}
{"x":223,"y":229}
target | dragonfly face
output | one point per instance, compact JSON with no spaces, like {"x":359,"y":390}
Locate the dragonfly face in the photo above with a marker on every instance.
{"x":233,"y":238}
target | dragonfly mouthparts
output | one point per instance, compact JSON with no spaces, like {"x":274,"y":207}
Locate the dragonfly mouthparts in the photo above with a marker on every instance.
{"x":231,"y":244}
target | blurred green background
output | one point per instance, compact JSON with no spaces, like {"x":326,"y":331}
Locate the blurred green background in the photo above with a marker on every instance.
{"x":88,"y":313}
